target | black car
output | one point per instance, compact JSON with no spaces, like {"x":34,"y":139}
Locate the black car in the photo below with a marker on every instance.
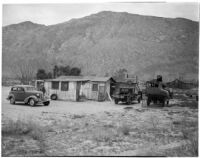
{"x":27,"y":94}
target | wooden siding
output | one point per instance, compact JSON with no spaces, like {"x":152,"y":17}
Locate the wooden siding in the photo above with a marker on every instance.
{"x":63,"y":95}
{"x":85,"y":90}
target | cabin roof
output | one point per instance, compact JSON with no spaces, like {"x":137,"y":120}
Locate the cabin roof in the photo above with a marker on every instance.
{"x":82,"y":78}
{"x":181,"y":81}
{"x":22,"y":86}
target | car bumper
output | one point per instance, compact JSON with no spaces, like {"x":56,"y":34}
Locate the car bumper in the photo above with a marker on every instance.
{"x":43,"y":100}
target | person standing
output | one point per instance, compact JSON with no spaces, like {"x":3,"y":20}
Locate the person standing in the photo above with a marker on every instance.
{"x":42,"y":88}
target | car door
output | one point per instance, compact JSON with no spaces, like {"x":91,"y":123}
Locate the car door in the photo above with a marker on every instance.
{"x":20,"y":94}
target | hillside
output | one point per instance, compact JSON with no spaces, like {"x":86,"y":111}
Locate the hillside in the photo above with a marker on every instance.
{"x":105,"y":42}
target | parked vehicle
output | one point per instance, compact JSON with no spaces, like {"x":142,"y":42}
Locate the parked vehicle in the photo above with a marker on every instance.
{"x":127,"y":93}
{"x":27,"y":94}
{"x":156,"y":91}
{"x":36,"y":83}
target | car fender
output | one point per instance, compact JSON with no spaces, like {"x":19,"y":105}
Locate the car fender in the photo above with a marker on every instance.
{"x":33,"y":97}
{"x":10,"y":95}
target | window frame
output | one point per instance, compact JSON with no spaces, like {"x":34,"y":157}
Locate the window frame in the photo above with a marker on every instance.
{"x":62,"y":88}
{"x":95,"y":89}
{"x":53,"y":82}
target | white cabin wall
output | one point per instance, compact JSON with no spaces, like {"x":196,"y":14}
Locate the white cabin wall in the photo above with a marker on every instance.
{"x":70,"y":94}
{"x":63,"y":95}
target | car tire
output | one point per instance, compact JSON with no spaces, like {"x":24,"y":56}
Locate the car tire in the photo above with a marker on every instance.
{"x":12,"y":100}
{"x":32,"y":102}
{"x":163,"y":102}
{"x":139,"y":99}
{"x":116,"y":101}
{"x":54,"y":97}
{"x":46,"y":103}
{"x":148,"y":101}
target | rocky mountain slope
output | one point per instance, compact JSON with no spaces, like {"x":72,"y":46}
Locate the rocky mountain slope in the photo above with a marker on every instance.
{"x":105,"y":42}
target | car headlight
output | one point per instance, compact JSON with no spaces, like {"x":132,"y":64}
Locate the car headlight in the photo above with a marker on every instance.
{"x":38,"y":95}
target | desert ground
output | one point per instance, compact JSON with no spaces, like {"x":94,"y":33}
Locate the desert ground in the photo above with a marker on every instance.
{"x":92,"y":128}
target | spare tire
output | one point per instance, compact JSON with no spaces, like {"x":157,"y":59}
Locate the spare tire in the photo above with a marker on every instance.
{"x":54,"y":97}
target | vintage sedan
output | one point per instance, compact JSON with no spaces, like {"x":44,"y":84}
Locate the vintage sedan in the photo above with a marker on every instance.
{"x":27,"y":94}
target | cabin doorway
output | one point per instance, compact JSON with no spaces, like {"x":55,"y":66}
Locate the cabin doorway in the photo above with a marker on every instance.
{"x":78,"y":87}
{"x":101,"y":96}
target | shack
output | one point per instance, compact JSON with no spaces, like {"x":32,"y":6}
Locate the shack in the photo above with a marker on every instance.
{"x":181,"y":84}
{"x":74,"y":88}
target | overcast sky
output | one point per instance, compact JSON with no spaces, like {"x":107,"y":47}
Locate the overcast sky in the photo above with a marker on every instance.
{"x":49,"y":14}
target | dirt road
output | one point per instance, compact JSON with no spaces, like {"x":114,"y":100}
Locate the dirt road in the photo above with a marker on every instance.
{"x":20,"y":110}
{"x":102,"y":129}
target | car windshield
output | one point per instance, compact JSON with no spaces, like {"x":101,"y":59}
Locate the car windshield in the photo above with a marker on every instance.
{"x":30,"y":89}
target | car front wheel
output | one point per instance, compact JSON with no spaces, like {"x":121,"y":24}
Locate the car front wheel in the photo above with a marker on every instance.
{"x":12,"y":100}
{"x":31,"y":102}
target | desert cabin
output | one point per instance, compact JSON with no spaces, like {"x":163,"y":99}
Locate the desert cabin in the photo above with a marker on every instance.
{"x":74,"y":88}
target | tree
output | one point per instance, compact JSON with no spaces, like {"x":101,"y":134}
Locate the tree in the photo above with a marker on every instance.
{"x":55,"y":71}
{"x":41,"y":74}
{"x":120,"y":74}
{"x":24,"y":70}
{"x":66,"y":70}
{"x":49,"y":75}
{"x":75,"y":71}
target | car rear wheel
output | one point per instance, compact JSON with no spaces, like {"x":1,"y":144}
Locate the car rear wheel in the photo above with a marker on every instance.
{"x":54,"y":97}
{"x":46,"y":103}
{"x":31,"y":102}
{"x":12,"y":100}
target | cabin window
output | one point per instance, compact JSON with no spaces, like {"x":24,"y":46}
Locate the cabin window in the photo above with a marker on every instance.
{"x":94,"y":87}
{"x":64,"y":86}
{"x":55,"y":85}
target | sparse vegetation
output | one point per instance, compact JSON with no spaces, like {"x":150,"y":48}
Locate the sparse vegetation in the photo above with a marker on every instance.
{"x":169,"y":131}
{"x":21,"y":131}
{"x":125,"y":129}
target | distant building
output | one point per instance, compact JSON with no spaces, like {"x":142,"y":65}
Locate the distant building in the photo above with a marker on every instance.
{"x":76,"y":87}
{"x":181,"y":84}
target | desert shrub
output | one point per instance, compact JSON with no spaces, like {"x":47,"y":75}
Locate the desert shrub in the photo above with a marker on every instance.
{"x":15,"y":127}
{"x":154,"y":121}
{"x":190,"y":149}
{"x":105,"y":135}
{"x":125,"y":129}
{"x":190,"y":104}
{"x":193,"y":144}
{"x":75,"y":116}
{"x":21,"y":128}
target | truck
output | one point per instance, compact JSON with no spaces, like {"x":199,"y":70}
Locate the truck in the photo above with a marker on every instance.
{"x":127,"y":92}
{"x":157,"y":92}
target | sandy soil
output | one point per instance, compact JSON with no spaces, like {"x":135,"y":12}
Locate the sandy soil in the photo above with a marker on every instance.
{"x":20,"y":110}
{"x":104,"y":129}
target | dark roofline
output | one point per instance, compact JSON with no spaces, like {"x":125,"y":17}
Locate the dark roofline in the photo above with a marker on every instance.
{"x":82,"y":78}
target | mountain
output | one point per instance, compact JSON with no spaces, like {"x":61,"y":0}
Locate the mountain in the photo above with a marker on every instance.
{"x":103,"y":43}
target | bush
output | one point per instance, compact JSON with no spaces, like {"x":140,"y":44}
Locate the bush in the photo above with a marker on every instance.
{"x":17,"y":130}
{"x":106,"y":135}
{"x":19,"y":127}
{"x":125,"y":129}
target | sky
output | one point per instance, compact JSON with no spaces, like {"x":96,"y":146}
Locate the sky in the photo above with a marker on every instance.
{"x":49,"y":14}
